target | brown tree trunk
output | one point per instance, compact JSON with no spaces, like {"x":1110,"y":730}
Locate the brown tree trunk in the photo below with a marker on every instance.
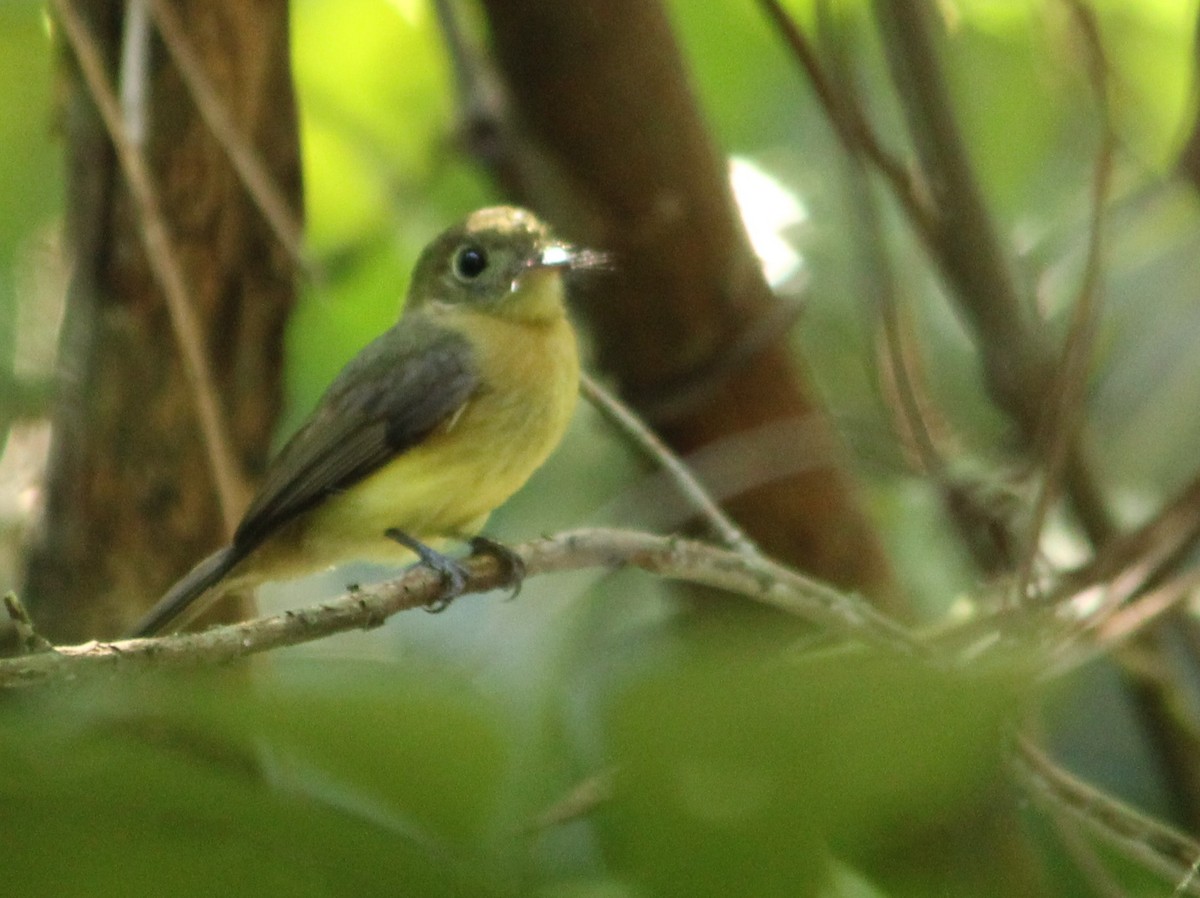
{"x":129,"y":499}
{"x":608,"y":138}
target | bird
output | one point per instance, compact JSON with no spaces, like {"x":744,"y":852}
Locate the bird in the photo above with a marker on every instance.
{"x":426,"y":431}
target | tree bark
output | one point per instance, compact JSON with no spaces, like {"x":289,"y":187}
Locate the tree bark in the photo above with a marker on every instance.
{"x":129,"y":498}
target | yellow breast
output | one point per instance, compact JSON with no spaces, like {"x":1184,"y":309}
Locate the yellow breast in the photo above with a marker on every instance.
{"x":451,"y":482}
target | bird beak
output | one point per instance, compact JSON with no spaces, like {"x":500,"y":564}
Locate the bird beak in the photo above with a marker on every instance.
{"x":563,"y":255}
{"x":556,"y":255}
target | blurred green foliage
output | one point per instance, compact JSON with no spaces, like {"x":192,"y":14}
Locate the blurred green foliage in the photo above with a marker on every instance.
{"x":30,"y":172}
{"x":732,"y":774}
{"x":734,"y":771}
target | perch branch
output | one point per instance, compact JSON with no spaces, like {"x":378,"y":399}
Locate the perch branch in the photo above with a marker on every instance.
{"x":754,"y":578}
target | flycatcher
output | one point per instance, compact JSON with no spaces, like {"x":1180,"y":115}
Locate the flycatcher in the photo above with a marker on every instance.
{"x":426,"y":431}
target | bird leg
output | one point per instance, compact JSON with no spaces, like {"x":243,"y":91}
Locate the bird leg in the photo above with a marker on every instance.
{"x":453,"y":574}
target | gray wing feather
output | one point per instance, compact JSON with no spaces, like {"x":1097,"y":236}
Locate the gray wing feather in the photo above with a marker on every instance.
{"x":383,"y":403}
{"x":179,"y":604}
{"x":389,"y":398}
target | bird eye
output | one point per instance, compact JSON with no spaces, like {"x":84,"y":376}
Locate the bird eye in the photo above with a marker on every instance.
{"x":470,"y":261}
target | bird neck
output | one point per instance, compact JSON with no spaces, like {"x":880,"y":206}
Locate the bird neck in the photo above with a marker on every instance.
{"x":538,"y":299}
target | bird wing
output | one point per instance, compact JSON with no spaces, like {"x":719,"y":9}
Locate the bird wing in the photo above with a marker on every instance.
{"x":385,"y":401}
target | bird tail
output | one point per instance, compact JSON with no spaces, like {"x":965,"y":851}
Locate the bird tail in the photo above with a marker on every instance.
{"x":185,"y":600}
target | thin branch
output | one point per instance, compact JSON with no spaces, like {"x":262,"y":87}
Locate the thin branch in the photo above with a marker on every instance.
{"x":284,"y":222}
{"x":1087,"y":858}
{"x":1135,"y":617}
{"x":1140,"y":556}
{"x":1071,"y":383}
{"x":161,"y":256}
{"x":483,"y":130}
{"x":849,"y":122}
{"x":757,"y":579}
{"x":983,"y":523}
{"x":29,"y":639}
{"x":583,"y":798}
{"x":685,"y":481}
{"x":1156,"y":847}
{"x":966,"y":243}
{"x":1017,"y":362}
{"x":134,"y":71}
{"x":1119,"y":619}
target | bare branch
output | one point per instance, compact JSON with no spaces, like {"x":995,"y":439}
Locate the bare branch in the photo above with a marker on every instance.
{"x":1158,"y":848}
{"x":1017,"y":361}
{"x":757,"y":579}
{"x":1071,"y":382}
{"x":1087,"y":857}
{"x":258,"y":181}
{"x":685,"y":481}
{"x":579,"y":802}
{"x":1137,"y":557}
{"x":28,"y":637}
{"x":160,"y":254}
{"x":849,"y":122}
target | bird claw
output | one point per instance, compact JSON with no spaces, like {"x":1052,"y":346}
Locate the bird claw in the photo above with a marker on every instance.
{"x":453,"y":574}
{"x":512,"y":563}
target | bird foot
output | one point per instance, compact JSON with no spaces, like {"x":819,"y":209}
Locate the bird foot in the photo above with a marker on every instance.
{"x":512,"y":563}
{"x":453,"y":574}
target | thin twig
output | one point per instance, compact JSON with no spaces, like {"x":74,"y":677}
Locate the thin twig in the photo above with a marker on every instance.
{"x":848,"y":121}
{"x":164,"y":264}
{"x":28,"y":637}
{"x":134,"y":72}
{"x":1158,"y":848}
{"x":1087,"y":858}
{"x":483,"y":129}
{"x":1071,"y":383}
{"x":583,"y":798}
{"x":279,"y":215}
{"x":1150,"y":606}
{"x":756,"y":579}
{"x":983,"y":524}
{"x":903,"y":387}
{"x":1120,"y":619}
{"x":1143,"y":554}
{"x":964,"y":243}
{"x":685,"y":481}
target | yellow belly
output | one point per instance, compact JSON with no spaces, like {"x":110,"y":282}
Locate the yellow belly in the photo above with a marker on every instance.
{"x":451,"y":482}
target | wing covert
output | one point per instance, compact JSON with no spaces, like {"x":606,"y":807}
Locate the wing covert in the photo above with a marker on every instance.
{"x":386,"y":400}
